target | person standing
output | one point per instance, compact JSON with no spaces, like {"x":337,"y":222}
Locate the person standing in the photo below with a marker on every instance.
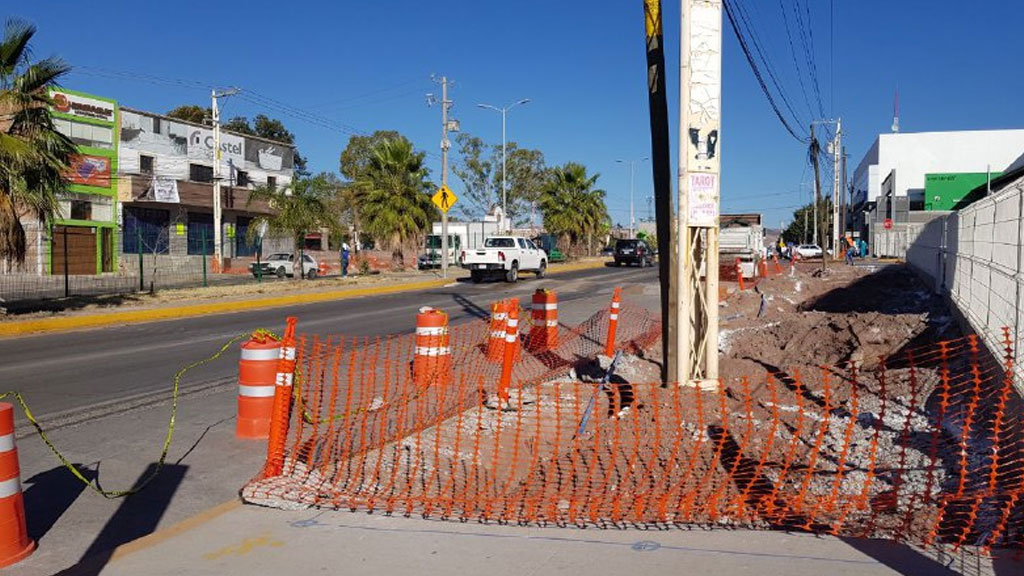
{"x":344,"y":259}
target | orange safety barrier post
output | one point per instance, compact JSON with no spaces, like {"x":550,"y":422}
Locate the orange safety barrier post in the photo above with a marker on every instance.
{"x":613,"y":322}
{"x":257,"y":375}
{"x":778,"y":267}
{"x":764,"y":268}
{"x":432,"y":361}
{"x":496,"y":338}
{"x":322,"y":269}
{"x":544,"y":331}
{"x":282,"y":402}
{"x":739,"y":274}
{"x":511,"y":348}
{"x":15,"y":545}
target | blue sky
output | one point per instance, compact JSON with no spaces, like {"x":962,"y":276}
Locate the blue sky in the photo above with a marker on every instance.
{"x":366,"y":65}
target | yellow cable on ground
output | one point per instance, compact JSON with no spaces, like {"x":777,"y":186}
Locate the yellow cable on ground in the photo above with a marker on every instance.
{"x":167,"y":441}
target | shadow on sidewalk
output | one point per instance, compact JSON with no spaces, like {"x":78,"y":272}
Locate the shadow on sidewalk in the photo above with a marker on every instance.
{"x":899,"y":557}
{"x":138,"y":516}
{"x":49,"y":495}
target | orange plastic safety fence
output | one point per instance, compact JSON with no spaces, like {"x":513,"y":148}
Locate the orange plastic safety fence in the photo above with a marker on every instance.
{"x":926,"y":447}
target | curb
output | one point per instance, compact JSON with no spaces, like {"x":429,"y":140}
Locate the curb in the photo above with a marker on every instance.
{"x":67,"y":323}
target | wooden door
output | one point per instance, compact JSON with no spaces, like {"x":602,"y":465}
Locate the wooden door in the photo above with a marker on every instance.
{"x":81,"y":250}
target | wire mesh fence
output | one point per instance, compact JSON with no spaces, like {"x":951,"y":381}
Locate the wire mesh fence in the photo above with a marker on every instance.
{"x":924,"y":447}
{"x":94,"y":261}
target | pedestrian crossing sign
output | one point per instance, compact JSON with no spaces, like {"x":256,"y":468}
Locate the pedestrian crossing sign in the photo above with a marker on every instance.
{"x":444,"y":198}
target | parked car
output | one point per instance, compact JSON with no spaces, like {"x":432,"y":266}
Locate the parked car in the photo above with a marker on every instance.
{"x":633,"y":251}
{"x":504,"y":256}
{"x":608,"y":251}
{"x":282,"y":264}
{"x":808,"y":251}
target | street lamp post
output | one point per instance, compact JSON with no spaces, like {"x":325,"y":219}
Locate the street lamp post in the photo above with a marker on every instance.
{"x":632,"y":165}
{"x":504,"y":176}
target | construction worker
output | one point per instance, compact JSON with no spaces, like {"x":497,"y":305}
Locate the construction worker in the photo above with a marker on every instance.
{"x":344,"y":259}
{"x":851,"y":250}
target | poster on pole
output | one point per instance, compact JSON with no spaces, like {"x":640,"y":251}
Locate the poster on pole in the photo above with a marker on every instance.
{"x":703,"y":200}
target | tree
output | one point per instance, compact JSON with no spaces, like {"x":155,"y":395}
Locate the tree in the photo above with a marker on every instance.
{"x":192,"y":113}
{"x":301,"y":208}
{"x":572,"y":207}
{"x":801,"y":228}
{"x":354,"y":164}
{"x":479,"y":169}
{"x":394,"y":196}
{"x":34,"y":156}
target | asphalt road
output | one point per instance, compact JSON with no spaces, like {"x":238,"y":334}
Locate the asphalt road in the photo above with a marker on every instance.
{"x":69,"y":372}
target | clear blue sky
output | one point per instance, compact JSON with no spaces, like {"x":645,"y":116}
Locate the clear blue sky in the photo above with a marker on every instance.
{"x":366,"y":64}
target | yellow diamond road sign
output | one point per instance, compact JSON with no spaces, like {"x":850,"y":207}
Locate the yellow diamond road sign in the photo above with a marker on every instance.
{"x":444,"y":198}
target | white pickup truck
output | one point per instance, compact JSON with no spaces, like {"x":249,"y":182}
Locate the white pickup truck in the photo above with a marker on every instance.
{"x":505,"y":255}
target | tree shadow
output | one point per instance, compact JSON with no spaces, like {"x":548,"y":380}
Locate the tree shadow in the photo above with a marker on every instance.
{"x":471,"y":308}
{"x":18,"y":307}
{"x":899,"y":557}
{"x":138,"y":516}
{"x":49,"y":495}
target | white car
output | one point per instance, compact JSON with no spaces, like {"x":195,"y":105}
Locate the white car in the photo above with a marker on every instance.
{"x":505,"y":256}
{"x":282,"y":264}
{"x":808,"y":251}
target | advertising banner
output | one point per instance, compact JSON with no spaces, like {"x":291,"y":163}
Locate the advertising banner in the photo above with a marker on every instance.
{"x":82,"y":106}
{"x":89,"y":170}
{"x":165,"y":190}
{"x":703,"y":201}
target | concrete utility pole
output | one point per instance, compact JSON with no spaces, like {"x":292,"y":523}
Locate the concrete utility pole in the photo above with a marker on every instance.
{"x":632,"y":166}
{"x":445,"y":146}
{"x":504,"y":174}
{"x":837,"y":157}
{"x":700,"y":128}
{"x":218,"y":261}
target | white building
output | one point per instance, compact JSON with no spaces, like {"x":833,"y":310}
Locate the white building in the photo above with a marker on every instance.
{"x":889,"y":182}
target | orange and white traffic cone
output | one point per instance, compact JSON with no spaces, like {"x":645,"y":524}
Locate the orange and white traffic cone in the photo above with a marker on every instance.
{"x":778,"y":267}
{"x":496,"y":339}
{"x":544,"y":331}
{"x":511,"y":351}
{"x":764,"y":268}
{"x":322,"y":269}
{"x":432,"y":361}
{"x":257,"y":376}
{"x":613,"y":323}
{"x":15,"y":545}
{"x":739,"y":274}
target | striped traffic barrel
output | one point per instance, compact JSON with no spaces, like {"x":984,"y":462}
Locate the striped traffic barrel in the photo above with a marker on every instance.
{"x":544,"y":330}
{"x":15,"y":545}
{"x":257,"y":372}
{"x":432,"y":360}
{"x":496,"y":338}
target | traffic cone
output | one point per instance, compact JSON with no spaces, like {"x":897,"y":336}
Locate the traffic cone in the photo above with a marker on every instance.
{"x":257,"y":375}
{"x":15,"y":545}
{"x":739,"y":274}
{"x":432,"y":362}
{"x":613,"y":323}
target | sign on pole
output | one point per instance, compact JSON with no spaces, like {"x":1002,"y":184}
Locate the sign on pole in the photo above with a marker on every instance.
{"x":444,"y":198}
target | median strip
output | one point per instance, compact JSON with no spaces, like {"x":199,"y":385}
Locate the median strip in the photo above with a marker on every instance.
{"x":79,"y":322}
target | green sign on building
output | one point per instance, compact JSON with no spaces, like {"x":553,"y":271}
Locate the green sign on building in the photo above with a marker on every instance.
{"x":943,"y":191}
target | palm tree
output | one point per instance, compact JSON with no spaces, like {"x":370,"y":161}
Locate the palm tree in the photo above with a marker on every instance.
{"x":303,"y":207}
{"x":572,"y":207}
{"x":34,"y":157}
{"x":394,"y":196}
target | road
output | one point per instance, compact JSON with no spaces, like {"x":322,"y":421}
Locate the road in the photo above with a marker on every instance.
{"x":72,"y":372}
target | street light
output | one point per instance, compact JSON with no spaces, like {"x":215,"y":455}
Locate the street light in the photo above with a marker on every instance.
{"x":504,"y":177}
{"x":632,"y":165}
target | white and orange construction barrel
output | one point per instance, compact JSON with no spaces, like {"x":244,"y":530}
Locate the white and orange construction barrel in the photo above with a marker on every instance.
{"x":432,"y":362}
{"x":544,"y":331}
{"x":257,"y":375}
{"x":15,"y":545}
{"x":496,"y":337}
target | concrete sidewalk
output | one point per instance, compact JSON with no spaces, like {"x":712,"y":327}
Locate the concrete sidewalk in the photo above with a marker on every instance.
{"x":251,"y":540}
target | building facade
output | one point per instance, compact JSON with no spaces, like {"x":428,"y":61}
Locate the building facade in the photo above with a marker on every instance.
{"x":889,"y":191}
{"x":166,"y":187}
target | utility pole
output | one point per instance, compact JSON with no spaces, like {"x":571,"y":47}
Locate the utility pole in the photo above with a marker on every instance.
{"x":837,"y":156}
{"x":661,"y":173}
{"x":632,"y":166}
{"x":445,"y":146}
{"x":700,"y":117}
{"x":217,"y":208}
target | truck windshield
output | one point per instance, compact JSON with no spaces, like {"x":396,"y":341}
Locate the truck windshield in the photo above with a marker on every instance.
{"x":499,"y":243}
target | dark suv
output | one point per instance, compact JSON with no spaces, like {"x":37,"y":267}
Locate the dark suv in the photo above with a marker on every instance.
{"x":633,"y":252}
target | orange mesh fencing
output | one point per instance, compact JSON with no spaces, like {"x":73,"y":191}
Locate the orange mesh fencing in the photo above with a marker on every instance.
{"x":926,"y":447}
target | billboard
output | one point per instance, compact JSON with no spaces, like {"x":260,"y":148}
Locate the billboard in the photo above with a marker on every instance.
{"x":79,"y":105}
{"x":90,"y":170}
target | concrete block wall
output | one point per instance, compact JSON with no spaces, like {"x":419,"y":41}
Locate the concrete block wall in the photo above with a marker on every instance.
{"x":976,"y":257}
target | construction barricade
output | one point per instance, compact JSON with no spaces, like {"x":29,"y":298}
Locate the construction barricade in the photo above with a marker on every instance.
{"x":543,"y":334}
{"x":433,"y":362}
{"x":15,"y":544}
{"x":496,"y":338}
